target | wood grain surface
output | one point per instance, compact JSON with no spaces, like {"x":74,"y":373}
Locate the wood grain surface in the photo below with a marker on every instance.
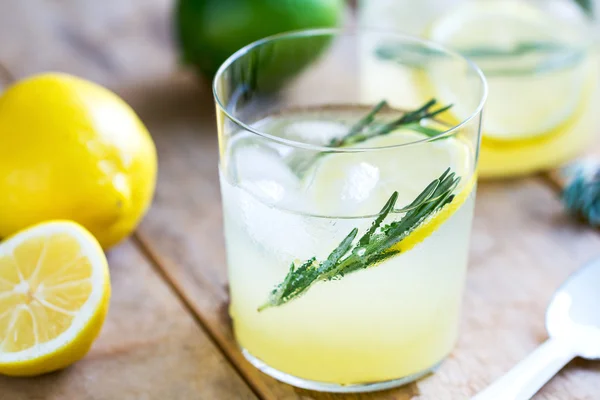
{"x":168,"y":335}
{"x":109,"y":41}
{"x":149,"y":348}
{"x":523,"y":247}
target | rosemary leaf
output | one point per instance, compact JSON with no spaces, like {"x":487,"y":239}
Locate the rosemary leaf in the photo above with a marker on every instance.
{"x":373,"y":247}
{"x":587,"y":6}
{"x":360,"y":125}
{"x":368,"y":127}
{"x":552,"y":54}
{"x":389,"y":206}
{"x":361,"y":132}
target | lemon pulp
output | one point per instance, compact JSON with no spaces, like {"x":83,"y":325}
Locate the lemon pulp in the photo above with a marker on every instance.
{"x":53,"y":297}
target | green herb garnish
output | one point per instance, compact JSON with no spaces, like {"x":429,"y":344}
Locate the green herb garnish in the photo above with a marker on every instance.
{"x":369,"y":127}
{"x":551,"y":56}
{"x":377,"y":244}
{"x":587,"y":6}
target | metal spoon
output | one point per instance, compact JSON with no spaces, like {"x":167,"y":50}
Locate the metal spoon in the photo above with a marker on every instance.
{"x":573,"y":324}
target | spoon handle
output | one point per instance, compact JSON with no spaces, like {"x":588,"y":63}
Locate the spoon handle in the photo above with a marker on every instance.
{"x":527,"y":377}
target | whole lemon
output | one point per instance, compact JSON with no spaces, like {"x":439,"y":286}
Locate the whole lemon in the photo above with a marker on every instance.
{"x":71,"y":149}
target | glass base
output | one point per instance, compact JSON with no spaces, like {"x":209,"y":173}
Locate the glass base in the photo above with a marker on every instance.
{"x":334,"y":387}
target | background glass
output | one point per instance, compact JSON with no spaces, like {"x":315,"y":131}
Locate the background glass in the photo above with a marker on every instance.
{"x":539,"y":60}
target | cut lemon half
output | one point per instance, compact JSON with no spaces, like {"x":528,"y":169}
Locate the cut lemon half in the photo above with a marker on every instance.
{"x":360,"y":183}
{"x":537,"y":69}
{"x":54,"y":295}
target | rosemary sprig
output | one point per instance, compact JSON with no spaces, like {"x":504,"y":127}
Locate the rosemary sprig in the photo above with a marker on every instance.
{"x":552,"y":56}
{"x":369,"y":127}
{"x":361,"y":124}
{"x":377,"y":244}
{"x":587,"y":6}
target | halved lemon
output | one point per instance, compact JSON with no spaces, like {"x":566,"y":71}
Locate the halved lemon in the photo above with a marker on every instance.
{"x":54,"y":295}
{"x":539,"y":73}
{"x":360,"y":183}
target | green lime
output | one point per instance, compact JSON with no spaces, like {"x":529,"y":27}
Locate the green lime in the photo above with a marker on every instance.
{"x":209,"y":31}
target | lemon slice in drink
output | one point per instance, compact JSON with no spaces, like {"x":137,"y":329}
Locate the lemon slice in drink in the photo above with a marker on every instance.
{"x":537,"y":71}
{"x":54,"y":294}
{"x":360,"y":183}
{"x":432,"y":223}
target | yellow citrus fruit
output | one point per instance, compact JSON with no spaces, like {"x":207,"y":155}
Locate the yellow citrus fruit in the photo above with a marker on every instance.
{"x":549,"y":59}
{"x":360,"y":183}
{"x":433,"y":222}
{"x":70,"y":149}
{"x":364,"y":181}
{"x":54,"y":295}
{"x":542,"y":77}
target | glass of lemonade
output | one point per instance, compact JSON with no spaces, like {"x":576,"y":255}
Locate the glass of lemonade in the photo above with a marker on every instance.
{"x":347,"y":207}
{"x":540,"y":62}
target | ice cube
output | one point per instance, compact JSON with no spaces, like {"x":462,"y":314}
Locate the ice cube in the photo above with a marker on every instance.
{"x":288,"y":236}
{"x":360,"y":181}
{"x":282,"y":234}
{"x":345,"y":184}
{"x":260,"y":170}
{"x":317,"y":132}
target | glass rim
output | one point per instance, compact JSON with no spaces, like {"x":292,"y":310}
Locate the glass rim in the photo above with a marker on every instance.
{"x":342,"y":32}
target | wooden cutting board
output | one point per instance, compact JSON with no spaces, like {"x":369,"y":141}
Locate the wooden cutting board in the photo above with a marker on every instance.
{"x":168,"y":335}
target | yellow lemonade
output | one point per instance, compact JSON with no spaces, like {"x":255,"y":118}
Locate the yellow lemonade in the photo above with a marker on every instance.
{"x":347,"y":212}
{"x":394,"y":320}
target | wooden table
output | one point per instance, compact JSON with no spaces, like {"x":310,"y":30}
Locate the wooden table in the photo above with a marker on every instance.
{"x":168,"y":335}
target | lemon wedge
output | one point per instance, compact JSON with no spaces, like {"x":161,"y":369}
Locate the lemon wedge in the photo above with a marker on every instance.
{"x":54,"y":295}
{"x":359,"y":183}
{"x":539,"y":74}
{"x":436,"y":220}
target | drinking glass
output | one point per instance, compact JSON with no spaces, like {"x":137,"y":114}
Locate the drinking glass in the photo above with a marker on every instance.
{"x":541,"y":63}
{"x":347,"y":204}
